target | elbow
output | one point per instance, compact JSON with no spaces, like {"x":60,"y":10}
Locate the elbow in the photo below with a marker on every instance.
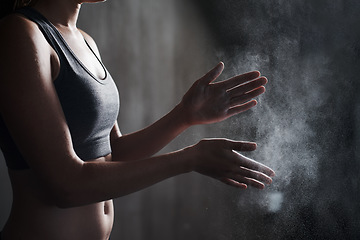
{"x":67,"y":192}
{"x":73,"y":190}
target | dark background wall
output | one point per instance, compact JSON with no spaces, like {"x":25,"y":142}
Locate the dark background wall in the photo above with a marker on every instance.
{"x":306,"y":125}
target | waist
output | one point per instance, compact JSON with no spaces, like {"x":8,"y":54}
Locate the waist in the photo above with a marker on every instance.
{"x":35,"y":216}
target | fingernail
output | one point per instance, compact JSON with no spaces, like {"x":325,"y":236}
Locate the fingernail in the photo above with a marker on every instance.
{"x":243,"y":186}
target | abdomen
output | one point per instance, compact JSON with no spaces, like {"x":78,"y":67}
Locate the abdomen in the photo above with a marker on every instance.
{"x":34,"y":216}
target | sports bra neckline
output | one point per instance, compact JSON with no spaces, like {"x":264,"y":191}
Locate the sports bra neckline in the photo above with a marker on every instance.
{"x":100,"y":80}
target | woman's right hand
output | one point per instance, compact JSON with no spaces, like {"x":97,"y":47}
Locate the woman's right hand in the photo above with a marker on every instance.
{"x":217,"y":158}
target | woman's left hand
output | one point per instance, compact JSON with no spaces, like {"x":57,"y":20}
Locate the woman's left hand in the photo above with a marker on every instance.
{"x":209,"y":102}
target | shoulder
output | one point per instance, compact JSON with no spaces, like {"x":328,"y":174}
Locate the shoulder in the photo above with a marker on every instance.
{"x":90,"y":41}
{"x":25,"y":55}
{"x":15,"y":26}
{"x":19,"y":35}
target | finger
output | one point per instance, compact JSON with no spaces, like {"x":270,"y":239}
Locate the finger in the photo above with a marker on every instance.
{"x":241,"y":108}
{"x":259,"y":176}
{"x":249,"y":181}
{"x":241,"y":146}
{"x":247,"y":167}
{"x":233,"y":183}
{"x":254,"y":165}
{"x":245,"y":180}
{"x":247,"y":87}
{"x":238,"y":80}
{"x":212,"y":74}
{"x":236,"y":101}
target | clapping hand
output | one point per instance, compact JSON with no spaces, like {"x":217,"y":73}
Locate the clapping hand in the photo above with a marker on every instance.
{"x":209,"y":102}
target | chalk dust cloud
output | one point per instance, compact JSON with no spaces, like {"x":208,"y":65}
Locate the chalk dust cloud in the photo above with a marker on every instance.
{"x":306,"y":123}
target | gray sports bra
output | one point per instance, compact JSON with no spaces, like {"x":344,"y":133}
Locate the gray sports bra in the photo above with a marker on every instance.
{"x":90,"y":104}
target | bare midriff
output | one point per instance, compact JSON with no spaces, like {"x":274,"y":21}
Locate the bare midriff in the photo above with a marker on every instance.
{"x":35,"y":216}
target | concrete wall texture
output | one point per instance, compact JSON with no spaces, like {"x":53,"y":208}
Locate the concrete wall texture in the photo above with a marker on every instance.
{"x":306,"y":125}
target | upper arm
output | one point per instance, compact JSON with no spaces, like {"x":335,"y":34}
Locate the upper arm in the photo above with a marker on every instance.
{"x":28,"y":101}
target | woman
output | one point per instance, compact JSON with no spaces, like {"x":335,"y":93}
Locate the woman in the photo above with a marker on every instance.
{"x":66,"y":156}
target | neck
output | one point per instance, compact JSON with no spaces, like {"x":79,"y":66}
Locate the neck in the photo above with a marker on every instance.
{"x":61,"y":13}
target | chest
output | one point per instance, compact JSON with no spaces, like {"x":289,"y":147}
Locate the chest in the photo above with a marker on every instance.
{"x":86,"y":91}
{"x":87,"y":55}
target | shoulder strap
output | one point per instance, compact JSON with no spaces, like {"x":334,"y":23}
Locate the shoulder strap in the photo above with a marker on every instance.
{"x":50,"y":33}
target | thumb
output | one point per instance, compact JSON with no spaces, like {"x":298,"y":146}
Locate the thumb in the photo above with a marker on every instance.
{"x":212,"y":74}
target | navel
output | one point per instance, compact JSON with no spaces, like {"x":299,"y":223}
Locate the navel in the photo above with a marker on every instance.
{"x":106,"y":208}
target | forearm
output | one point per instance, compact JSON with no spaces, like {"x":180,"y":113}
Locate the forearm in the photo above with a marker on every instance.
{"x":148,"y":141}
{"x":132,"y":166}
{"x":99,"y":181}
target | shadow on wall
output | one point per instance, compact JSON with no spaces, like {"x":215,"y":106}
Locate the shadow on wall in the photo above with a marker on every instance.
{"x":305,"y":125}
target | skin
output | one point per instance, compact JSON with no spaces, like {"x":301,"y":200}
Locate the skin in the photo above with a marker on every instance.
{"x":60,"y":193}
